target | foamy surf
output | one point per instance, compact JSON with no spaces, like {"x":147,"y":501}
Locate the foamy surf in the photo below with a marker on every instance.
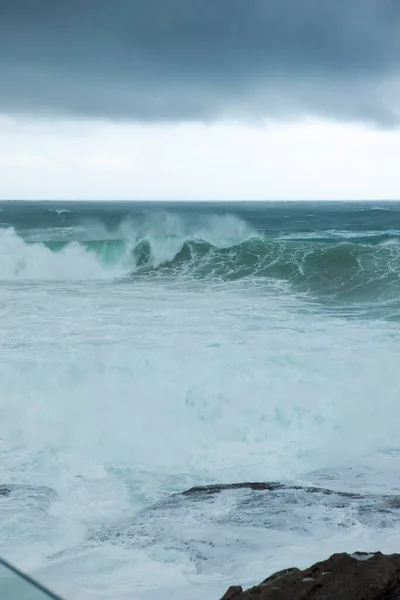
{"x":135,"y":364}
{"x":73,"y":262}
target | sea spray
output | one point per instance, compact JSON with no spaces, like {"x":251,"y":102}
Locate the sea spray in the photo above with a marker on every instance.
{"x":146,"y":351}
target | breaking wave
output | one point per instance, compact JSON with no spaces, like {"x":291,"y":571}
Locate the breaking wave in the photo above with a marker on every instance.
{"x":350,"y":267}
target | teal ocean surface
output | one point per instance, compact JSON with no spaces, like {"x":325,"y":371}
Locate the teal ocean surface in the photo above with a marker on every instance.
{"x":146,"y":348}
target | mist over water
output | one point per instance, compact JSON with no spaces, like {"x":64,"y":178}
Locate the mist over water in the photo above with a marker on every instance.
{"x":145,"y":349}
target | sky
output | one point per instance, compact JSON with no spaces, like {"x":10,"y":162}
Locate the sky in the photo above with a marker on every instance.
{"x":199,"y":99}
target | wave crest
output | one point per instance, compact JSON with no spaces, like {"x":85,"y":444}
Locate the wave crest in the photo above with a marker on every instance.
{"x":355,"y":268}
{"x":344,"y":268}
{"x":73,"y":261}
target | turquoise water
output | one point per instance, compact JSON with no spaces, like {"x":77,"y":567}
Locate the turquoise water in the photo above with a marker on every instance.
{"x":343,"y":253}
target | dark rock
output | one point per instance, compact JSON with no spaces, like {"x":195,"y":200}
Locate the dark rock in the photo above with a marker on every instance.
{"x":221,"y":487}
{"x":262,"y":486}
{"x":233,"y":592}
{"x":281,"y":574}
{"x":4,"y":491}
{"x":360,"y":576}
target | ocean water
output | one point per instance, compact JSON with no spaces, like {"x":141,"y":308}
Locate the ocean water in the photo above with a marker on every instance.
{"x":146,"y":348}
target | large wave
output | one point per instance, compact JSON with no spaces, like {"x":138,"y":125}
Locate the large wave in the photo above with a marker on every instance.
{"x":91,"y":251}
{"x":345,"y":268}
{"x":358,"y":267}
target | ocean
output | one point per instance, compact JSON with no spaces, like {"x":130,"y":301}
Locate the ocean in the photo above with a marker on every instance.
{"x":146,"y":348}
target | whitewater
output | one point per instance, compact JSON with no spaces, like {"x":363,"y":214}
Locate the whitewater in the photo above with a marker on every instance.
{"x":146,"y":348}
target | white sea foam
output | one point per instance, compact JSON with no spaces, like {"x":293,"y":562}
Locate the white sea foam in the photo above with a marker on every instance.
{"x":115,"y":394}
{"x":23,"y":261}
{"x":165,"y":233}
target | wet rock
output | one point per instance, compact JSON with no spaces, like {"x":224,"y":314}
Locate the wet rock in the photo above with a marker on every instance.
{"x":360,"y":576}
{"x":263,"y":486}
{"x":221,"y":487}
{"x":199,"y":524}
{"x":29,"y":494}
{"x":233,"y":592}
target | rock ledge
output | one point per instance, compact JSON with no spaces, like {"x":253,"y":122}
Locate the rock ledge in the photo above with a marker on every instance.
{"x":359,"y":576}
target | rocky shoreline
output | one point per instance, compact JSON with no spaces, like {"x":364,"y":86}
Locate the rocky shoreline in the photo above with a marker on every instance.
{"x":359,"y":576}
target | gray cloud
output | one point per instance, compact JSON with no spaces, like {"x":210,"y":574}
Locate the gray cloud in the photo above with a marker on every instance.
{"x":201,"y":59}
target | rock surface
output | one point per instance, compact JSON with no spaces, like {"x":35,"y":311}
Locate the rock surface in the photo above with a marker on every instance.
{"x":359,"y":576}
{"x":262,"y":486}
{"x":221,"y":487}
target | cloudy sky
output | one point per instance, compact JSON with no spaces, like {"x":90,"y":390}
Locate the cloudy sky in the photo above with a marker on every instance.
{"x":192,"y":99}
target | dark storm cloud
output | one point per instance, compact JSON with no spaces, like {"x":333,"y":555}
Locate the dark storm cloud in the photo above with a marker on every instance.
{"x":201,"y":59}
